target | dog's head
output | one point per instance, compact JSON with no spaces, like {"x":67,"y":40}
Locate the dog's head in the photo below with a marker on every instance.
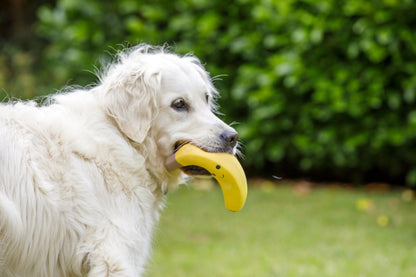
{"x":167,"y":99}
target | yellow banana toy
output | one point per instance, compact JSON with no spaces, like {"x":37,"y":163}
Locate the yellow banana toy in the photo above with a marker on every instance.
{"x":224,"y":167}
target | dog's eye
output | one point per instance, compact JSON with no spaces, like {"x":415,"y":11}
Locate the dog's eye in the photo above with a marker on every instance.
{"x":180,"y":105}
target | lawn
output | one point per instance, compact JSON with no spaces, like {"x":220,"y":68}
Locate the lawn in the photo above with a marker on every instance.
{"x":287,"y":231}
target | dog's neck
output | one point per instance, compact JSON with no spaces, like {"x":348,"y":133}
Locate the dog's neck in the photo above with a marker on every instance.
{"x":166,"y":180}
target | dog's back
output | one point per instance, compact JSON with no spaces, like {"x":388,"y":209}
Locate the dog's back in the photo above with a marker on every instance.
{"x":38,"y":227}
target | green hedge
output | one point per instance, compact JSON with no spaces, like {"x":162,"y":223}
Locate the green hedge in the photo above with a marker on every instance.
{"x":320,"y":88}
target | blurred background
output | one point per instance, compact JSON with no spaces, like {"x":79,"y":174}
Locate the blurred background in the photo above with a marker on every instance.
{"x":319,"y":90}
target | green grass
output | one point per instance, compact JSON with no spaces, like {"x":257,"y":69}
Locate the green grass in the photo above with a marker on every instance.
{"x":323,"y":232}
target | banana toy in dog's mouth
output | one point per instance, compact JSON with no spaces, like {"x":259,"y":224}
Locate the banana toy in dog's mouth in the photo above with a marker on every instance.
{"x":224,"y":167}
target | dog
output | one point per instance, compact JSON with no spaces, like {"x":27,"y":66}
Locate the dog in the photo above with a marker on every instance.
{"x":83,"y":176}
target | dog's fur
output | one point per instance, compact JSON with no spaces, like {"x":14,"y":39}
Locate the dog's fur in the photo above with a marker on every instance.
{"x":82,"y":177}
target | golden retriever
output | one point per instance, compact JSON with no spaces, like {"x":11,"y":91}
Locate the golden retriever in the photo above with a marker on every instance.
{"x":83,"y":177}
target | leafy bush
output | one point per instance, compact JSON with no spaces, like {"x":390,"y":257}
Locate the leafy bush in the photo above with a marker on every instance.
{"x":320,"y":87}
{"x":16,"y":76}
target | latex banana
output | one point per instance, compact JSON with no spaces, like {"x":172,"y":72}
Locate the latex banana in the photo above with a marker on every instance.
{"x":224,"y":167}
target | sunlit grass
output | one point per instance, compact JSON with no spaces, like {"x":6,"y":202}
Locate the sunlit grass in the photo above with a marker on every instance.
{"x":284,"y":232}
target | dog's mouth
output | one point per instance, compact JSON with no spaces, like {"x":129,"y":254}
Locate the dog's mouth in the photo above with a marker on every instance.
{"x":194,"y":170}
{"x":179,"y":144}
{"x":191,"y":170}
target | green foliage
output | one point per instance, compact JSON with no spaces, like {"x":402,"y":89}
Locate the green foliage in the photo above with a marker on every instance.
{"x":16,"y":76}
{"x":328,"y":87}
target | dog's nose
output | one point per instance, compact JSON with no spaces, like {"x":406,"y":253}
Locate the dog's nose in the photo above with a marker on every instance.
{"x":230,"y":137}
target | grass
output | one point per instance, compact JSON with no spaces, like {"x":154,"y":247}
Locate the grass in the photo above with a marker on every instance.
{"x":287,"y":231}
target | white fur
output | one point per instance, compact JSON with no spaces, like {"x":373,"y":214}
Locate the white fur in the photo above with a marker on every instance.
{"x":82,"y":179}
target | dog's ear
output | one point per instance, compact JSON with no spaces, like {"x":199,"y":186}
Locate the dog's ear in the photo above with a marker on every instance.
{"x":131,"y":101}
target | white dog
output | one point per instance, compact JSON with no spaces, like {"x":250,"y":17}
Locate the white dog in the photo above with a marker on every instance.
{"x":82,"y":178}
